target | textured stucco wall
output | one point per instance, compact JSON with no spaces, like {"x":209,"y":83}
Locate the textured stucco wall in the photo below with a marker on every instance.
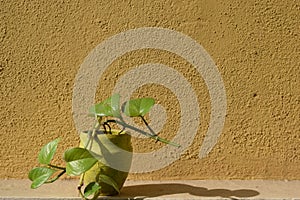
{"x":255,"y":45}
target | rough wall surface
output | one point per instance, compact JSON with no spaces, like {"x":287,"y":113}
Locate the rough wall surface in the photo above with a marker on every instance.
{"x":255,"y":45}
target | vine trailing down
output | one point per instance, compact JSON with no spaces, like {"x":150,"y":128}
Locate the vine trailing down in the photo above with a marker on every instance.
{"x":81,"y":159}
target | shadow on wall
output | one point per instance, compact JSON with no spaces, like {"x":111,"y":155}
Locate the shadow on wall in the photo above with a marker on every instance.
{"x":156,"y":190}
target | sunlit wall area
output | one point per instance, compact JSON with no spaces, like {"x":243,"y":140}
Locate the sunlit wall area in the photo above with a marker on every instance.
{"x":225,"y":76}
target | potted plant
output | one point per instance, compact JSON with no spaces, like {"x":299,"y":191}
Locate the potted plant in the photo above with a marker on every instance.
{"x":98,"y":148}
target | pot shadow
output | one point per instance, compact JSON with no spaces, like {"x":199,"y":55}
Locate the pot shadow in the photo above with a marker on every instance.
{"x":156,"y":190}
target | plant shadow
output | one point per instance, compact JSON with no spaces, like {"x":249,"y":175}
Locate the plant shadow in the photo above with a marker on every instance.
{"x":156,"y":190}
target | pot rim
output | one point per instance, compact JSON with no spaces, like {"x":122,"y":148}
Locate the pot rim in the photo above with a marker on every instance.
{"x":112,"y":132}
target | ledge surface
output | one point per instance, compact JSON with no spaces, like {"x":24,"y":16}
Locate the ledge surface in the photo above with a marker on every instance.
{"x":181,"y":189}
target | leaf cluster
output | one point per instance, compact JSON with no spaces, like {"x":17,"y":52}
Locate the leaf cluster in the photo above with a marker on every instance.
{"x":138,"y":107}
{"x":79,"y":160}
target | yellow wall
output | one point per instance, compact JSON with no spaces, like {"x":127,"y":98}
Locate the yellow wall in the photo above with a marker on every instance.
{"x":254,"y":44}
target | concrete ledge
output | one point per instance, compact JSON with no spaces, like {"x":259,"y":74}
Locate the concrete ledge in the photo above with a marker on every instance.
{"x":185,"y":189}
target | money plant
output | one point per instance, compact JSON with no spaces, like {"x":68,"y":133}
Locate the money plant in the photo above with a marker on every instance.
{"x":78,"y":160}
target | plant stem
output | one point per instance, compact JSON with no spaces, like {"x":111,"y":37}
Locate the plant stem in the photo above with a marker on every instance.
{"x":90,"y":133}
{"x":96,"y":194}
{"x":56,"y":177}
{"x":146,"y":123}
{"x":107,"y":124}
{"x":80,"y":185}
{"x":57,"y":167}
{"x":155,"y":137}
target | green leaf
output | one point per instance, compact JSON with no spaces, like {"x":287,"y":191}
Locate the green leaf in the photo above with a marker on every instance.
{"x":109,"y":107}
{"x":108,"y":180}
{"x":78,"y":160}
{"x":91,"y":188}
{"x":47,"y":152}
{"x":138,"y":107}
{"x":39,"y":176}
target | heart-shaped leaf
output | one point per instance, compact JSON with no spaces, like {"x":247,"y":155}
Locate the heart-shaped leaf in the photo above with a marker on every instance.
{"x":47,"y":152}
{"x":39,"y":176}
{"x":91,"y":188}
{"x":108,"y":180}
{"x":78,"y":160}
{"x":138,"y":107}
{"x":109,"y":107}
